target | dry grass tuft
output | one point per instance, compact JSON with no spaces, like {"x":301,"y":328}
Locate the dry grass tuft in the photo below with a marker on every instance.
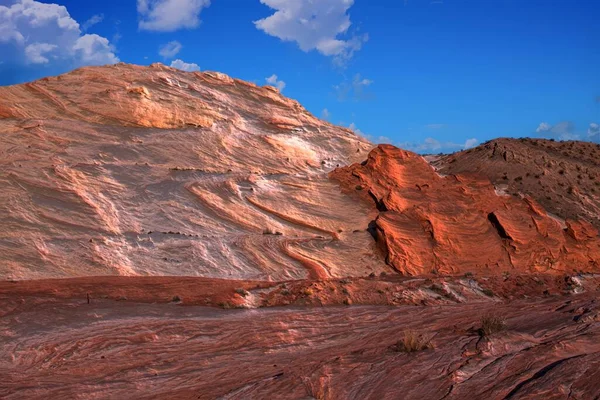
{"x":412,"y":342}
{"x":491,"y":324}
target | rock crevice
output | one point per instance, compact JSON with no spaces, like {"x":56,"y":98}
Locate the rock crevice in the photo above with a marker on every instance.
{"x":457,"y":224}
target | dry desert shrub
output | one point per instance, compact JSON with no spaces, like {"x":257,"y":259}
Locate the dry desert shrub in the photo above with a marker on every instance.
{"x":491,"y":324}
{"x":413,"y":341}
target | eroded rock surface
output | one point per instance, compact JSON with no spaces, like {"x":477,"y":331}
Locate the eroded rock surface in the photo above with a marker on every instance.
{"x":165,"y":199}
{"x":564,"y":177}
{"x":456,"y":224}
{"x":127,"y":170}
{"x":57,"y":348}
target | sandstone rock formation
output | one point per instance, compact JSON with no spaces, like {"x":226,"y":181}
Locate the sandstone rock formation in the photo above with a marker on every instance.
{"x":456,"y":224}
{"x":564,"y":177}
{"x":165,"y":200}
{"x":128,"y":170}
{"x":67,"y":349}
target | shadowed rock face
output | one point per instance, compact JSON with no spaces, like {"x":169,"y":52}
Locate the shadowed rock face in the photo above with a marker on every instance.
{"x":457,"y":224}
{"x":127,"y":170}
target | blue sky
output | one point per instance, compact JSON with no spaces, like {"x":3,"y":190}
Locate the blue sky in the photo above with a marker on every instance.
{"x":426,"y":75}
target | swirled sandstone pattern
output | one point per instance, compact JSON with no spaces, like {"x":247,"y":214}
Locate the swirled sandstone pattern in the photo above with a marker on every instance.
{"x":68,"y":349}
{"x":195,"y":193}
{"x":128,"y":170}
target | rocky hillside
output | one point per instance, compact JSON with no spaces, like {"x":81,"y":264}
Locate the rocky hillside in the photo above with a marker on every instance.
{"x":179,"y":208}
{"x":128,"y":170}
{"x":134,"y":171}
{"x":429,"y":223}
{"x":564,"y":177}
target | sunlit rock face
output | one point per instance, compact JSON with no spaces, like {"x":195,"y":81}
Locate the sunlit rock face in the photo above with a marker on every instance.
{"x":456,"y":224}
{"x":564,"y":177}
{"x":128,"y":170}
{"x":167,"y":199}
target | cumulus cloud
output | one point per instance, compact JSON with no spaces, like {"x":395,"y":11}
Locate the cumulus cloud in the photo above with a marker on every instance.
{"x":325,"y":114}
{"x":94,"y":50}
{"x":273,"y":81}
{"x":170,"y":49}
{"x":564,"y":130}
{"x":356,"y":89}
{"x":429,"y":145}
{"x":188,"y":67}
{"x":169,"y":15}
{"x":470,"y":143}
{"x":543,"y":127}
{"x":39,"y":33}
{"x":36,"y":52}
{"x":314,"y":25}
{"x":96,"y":19}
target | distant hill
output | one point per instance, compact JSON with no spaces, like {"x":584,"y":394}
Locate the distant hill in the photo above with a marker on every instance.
{"x":564,"y":177}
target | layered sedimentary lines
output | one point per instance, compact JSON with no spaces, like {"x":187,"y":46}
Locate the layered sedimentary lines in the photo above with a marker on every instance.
{"x":127,"y":170}
{"x":192,"y":191}
{"x":455,"y":224}
{"x":66,"y":349}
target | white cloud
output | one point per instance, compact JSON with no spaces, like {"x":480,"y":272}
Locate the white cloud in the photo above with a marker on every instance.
{"x":594,"y":132}
{"x":96,"y":19}
{"x":543,"y":127}
{"x":355,"y":129}
{"x":355,"y":90}
{"x":371,"y":138}
{"x":325,"y":114}
{"x":564,"y":130}
{"x":39,"y":33}
{"x":428,"y":145}
{"x":361,"y":82}
{"x":170,"y":49}
{"x":170,"y":15}
{"x":470,"y":143}
{"x":314,"y":25}
{"x":273,"y":81}
{"x":35,"y":52}
{"x":94,"y":50}
{"x":188,"y":67}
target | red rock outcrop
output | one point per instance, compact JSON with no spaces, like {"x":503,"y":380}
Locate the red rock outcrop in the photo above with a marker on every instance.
{"x":564,"y":177}
{"x":162,"y":198}
{"x":456,"y":224}
{"x":129,"y":170}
